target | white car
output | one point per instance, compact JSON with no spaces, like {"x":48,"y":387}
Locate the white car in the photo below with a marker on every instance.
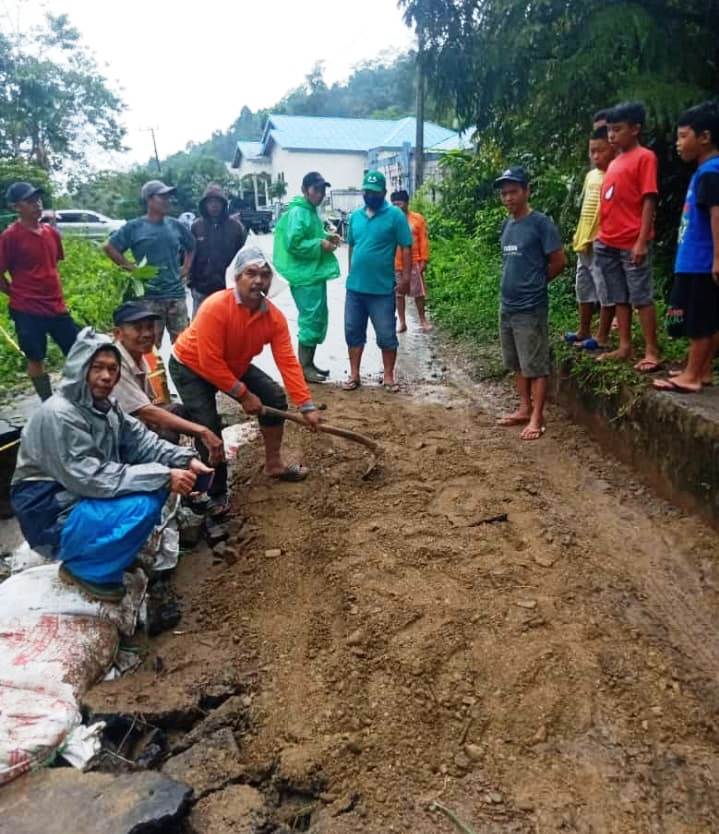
{"x":81,"y":223}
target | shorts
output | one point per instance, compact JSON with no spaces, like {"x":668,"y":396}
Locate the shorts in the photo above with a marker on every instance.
{"x":380,"y":310}
{"x":416,"y":283}
{"x":32,"y":332}
{"x":625,"y":282}
{"x":590,"y":285}
{"x":698,"y":296}
{"x":173,"y":316}
{"x":524,"y":338}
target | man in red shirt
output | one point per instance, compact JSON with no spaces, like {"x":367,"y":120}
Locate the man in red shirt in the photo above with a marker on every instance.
{"x":626,"y":230}
{"x":215,"y":354}
{"x":29,"y":252}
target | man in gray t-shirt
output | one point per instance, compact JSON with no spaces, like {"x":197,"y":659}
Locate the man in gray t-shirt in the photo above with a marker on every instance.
{"x":162,"y":240}
{"x":532,"y":256}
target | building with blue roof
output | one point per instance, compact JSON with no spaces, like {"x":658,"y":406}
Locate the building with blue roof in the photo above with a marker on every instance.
{"x":340,"y":149}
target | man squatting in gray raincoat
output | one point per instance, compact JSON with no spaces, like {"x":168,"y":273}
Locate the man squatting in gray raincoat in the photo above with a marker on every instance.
{"x":90,"y":480}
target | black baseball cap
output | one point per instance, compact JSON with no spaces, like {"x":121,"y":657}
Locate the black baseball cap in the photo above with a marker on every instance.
{"x":316,"y":179}
{"x":21,"y":191}
{"x":133,"y":311}
{"x":514,"y":174}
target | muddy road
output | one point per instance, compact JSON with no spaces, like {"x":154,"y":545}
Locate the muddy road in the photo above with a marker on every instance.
{"x":390,"y":646}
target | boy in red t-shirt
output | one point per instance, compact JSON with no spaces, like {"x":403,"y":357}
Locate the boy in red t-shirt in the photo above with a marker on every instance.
{"x":29,"y":252}
{"x":626,"y":229}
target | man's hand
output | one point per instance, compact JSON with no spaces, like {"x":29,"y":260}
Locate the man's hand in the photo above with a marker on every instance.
{"x":214,"y":446}
{"x":639,"y":253}
{"x":335,"y":238}
{"x":198,"y":467}
{"x":250,"y":403}
{"x":328,"y":245}
{"x":182,"y":481}
{"x":312,"y":418}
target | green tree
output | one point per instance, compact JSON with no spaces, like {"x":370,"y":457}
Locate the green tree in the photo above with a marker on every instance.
{"x":54,"y":101}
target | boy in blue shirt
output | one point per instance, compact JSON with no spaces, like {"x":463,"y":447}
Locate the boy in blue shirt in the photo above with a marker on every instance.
{"x":696,"y":280}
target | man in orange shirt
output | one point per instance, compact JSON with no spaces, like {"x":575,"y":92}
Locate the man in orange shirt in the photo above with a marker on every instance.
{"x":420,"y":258}
{"x":215,"y":354}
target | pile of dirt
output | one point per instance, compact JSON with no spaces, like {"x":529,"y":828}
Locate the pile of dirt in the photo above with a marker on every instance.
{"x":397,"y":642}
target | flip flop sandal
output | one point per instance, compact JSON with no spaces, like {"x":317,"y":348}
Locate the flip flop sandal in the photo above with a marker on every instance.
{"x":648,"y":366}
{"x":538,"y":434}
{"x":571,"y":338}
{"x":351,"y":385}
{"x":673,"y":387}
{"x":709,"y":384}
{"x":590,"y":344}
{"x":391,"y":387}
{"x":294,"y":473}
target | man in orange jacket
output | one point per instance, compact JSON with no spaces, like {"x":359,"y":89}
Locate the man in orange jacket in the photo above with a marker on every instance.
{"x":215,"y":354}
{"x":420,"y":258}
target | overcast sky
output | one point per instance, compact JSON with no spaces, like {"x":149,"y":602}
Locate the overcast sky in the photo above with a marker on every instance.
{"x":187,"y":68}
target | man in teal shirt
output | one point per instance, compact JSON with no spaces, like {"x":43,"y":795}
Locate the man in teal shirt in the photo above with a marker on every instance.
{"x":161,"y":239}
{"x":304,"y":255}
{"x":374,"y":235}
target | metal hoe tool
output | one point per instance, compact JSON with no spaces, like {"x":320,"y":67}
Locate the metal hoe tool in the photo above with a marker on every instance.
{"x":354,"y":436}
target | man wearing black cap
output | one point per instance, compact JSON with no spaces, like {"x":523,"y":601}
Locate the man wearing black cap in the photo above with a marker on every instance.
{"x":29,"y":252}
{"x":304,"y":255}
{"x":134,"y":334}
{"x":160,"y":239}
{"x":532,"y":255}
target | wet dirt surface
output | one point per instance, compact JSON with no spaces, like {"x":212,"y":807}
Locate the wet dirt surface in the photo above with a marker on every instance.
{"x":556,"y":671}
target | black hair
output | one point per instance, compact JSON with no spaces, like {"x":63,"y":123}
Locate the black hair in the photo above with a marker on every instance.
{"x":399,"y":196}
{"x":600,"y":133}
{"x":701,"y":117}
{"x":631,"y":112}
{"x":600,"y":115}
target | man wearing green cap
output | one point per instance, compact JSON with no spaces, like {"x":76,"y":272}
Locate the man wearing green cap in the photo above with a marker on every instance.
{"x":374,"y":235}
{"x":304,"y":255}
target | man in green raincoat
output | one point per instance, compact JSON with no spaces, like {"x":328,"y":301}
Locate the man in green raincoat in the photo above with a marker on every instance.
{"x":304,"y":255}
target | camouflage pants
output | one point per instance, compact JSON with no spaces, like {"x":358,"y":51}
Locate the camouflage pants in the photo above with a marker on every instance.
{"x":173,"y":316}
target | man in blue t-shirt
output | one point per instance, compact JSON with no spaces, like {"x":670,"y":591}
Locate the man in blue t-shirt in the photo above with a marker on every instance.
{"x":695,"y":294}
{"x":374,"y":235}
{"x":160,"y":239}
{"x":532,"y":255}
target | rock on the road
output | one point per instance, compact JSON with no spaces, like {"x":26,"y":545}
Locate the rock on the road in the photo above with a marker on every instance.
{"x":64,"y":800}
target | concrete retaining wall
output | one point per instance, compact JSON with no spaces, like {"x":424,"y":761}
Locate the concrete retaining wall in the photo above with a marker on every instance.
{"x":671,"y":440}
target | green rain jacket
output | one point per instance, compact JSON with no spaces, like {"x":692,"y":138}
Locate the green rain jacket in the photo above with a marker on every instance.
{"x":298,"y":255}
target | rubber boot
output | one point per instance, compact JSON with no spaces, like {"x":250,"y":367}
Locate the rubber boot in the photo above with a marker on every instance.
{"x":42,"y":386}
{"x":306,"y":355}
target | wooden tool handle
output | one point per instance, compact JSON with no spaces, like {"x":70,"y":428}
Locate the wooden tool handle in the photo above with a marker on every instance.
{"x":354,"y":436}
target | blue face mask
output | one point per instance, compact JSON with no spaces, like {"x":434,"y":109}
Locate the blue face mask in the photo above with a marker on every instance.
{"x":373,"y":200}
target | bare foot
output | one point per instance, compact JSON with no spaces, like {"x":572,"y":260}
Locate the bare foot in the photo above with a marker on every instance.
{"x":517,"y":418}
{"x":531,"y":432}
{"x":707,"y":381}
{"x":426,"y":326}
{"x":402,"y":327}
{"x":622,"y":355}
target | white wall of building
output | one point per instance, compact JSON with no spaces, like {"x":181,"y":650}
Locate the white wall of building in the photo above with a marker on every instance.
{"x":343,"y":170}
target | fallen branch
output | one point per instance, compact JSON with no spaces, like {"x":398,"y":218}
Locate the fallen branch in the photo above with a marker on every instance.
{"x":492,"y":519}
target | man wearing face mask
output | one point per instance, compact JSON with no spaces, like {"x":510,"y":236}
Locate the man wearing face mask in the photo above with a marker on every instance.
{"x":304,"y":255}
{"x":215,"y":354}
{"x":375,"y":233}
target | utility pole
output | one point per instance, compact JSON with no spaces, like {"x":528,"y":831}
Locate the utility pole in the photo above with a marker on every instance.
{"x":419,"y":139}
{"x":151,"y":131}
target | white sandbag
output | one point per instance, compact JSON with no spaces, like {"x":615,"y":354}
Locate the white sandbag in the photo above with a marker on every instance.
{"x":41,"y":591}
{"x":55,"y":642}
{"x":25,"y":557}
